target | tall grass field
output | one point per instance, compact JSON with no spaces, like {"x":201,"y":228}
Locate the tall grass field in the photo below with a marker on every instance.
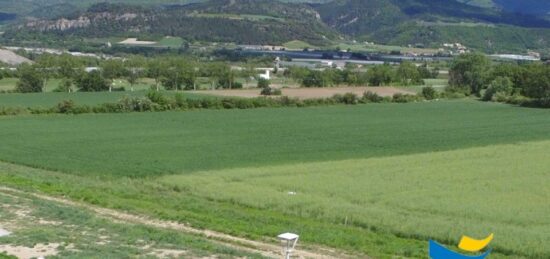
{"x":375,"y":179}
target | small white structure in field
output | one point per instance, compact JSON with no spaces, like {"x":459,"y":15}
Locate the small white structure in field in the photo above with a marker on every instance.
{"x":288,"y":241}
{"x":4,"y":232}
{"x":91,"y":69}
{"x":267,"y":75}
{"x":327,"y":63}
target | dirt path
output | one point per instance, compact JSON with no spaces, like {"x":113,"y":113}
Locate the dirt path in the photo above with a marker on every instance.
{"x":266,"y":249}
{"x":308,"y":93}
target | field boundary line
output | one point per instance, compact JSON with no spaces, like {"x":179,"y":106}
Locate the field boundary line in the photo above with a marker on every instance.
{"x":266,"y":249}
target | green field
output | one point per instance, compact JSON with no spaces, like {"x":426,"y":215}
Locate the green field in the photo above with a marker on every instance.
{"x":48,"y":100}
{"x":251,"y":17}
{"x":378,"y":179}
{"x":171,"y":42}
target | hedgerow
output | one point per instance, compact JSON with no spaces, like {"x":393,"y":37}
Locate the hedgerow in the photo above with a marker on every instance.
{"x":156,"y":102}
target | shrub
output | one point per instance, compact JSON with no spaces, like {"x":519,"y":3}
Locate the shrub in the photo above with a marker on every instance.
{"x":137,"y":104}
{"x":237,"y":85}
{"x":12,"y":111}
{"x":429,"y":93}
{"x":499,"y":89}
{"x":228,"y":104}
{"x":157,"y":97}
{"x":370,"y":97}
{"x":66,"y":106}
{"x":211,"y":103}
{"x":348,"y":98}
{"x":405,"y":98}
{"x":453,"y":94}
{"x":179,"y":101}
{"x":263,"y":83}
{"x":270,"y":91}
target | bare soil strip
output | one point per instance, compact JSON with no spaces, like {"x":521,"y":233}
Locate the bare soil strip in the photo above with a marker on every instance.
{"x":266,"y":249}
{"x":309,"y":93}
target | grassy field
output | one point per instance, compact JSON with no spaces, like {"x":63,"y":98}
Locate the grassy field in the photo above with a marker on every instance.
{"x":47,"y":100}
{"x":250,"y":17}
{"x":499,"y":189}
{"x":359,"y":47}
{"x":171,"y":42}
{"x":147,"y":144}
{"x":43,"y":227}
{"x":377,"y":179}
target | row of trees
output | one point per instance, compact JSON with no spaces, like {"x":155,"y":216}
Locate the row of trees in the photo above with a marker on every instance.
{"x":169,"y":73}
{"x":405,"y":74}
{"x":475,"y":74}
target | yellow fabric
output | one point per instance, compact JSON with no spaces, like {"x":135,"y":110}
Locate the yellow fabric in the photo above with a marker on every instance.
{"x":473,"y":245}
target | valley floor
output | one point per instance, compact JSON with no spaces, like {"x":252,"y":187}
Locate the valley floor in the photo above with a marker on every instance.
{"x":376,"y":179}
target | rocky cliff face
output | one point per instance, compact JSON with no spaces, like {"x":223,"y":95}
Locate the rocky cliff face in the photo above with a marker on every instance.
{"x":82,"y":21}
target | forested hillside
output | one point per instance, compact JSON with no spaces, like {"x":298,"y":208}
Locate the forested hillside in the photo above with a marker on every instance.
{"x":539,"y":7}
{"x":487,"y":25}
{"x":243,"y":21}
{"x":433,"y":22}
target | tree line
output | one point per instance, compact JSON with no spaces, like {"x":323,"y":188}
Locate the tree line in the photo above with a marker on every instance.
{"x":98,"y":75}
{"x":405,"y":74}
{"x":475,"y":74}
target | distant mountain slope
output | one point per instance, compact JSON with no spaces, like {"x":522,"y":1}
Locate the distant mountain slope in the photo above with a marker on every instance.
{"x":538,"y":7}
{"x":240,"y":21}
{"x":489,"y":25}
{"x":433,"y":22}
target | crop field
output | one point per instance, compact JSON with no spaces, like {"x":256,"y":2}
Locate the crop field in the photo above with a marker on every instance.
{"x":378,"y":179}
{"x":47,"y":100}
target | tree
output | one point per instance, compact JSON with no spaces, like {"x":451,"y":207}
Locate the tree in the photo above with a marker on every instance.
{"x":30,"y":79}
{"x":425,"y":72}
{"x":132,"y":76}
{"x":155,"y":69}
{"x":67,"y":66}
{"x":297,"y":73}
{"x":172,"y":78}
{"x":112,"y":69}
{"x":408,"y":74}
{"x":501,"y":85}
{"x":380,"y":75}
{"x":248,"y":73}
{"x":46,"y":63}
{"x":92,"y":82}
{"x":64,"y":86}
{"x":314,"y":79}
{"x":429,"y":93}
{"x":134,"y":70}
{"x":222,"y":76}
{"x":469,"y":72}
{"x":536,"y":81}
{"x":189,"y":77}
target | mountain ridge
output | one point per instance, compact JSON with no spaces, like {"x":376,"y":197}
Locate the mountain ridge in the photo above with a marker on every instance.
{"x":422,"y":23}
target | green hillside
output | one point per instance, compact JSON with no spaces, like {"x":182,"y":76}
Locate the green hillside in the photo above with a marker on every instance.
{"x":431,"y":23}
{"x":491,"y":26}
{"x":246,"y":22}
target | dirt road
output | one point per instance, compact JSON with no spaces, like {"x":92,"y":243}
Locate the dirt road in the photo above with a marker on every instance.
{"x":268,"y":249}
